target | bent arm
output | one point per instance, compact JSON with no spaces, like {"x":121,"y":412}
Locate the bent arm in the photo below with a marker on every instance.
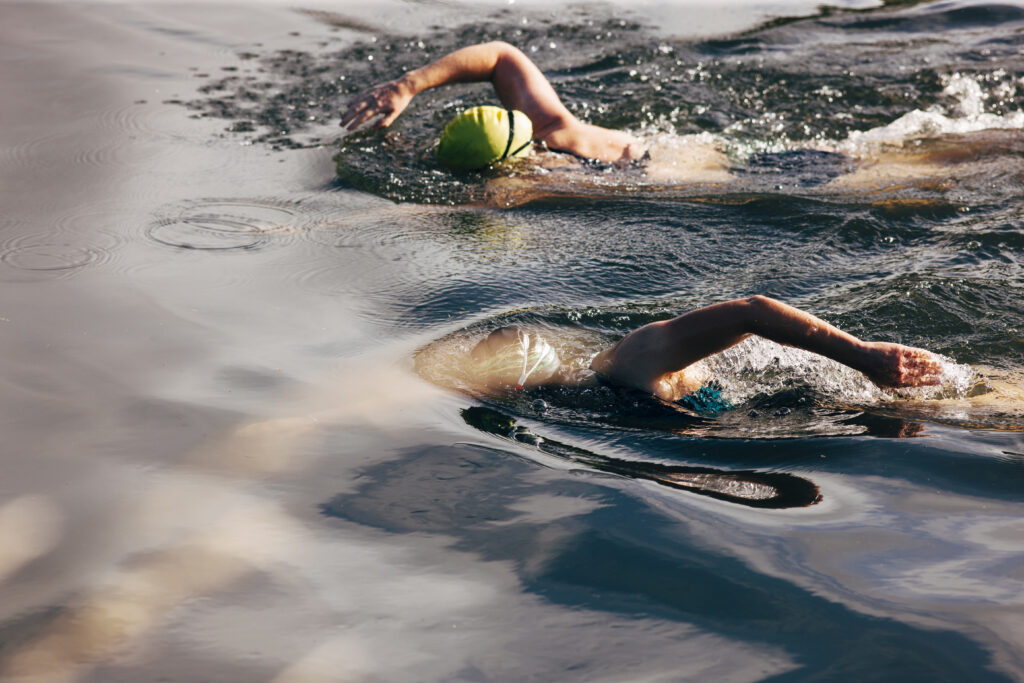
{"x":517,"y":81}
{"x":647,"y":355}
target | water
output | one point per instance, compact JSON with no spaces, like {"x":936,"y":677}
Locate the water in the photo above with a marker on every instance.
{"x":237,"y":446}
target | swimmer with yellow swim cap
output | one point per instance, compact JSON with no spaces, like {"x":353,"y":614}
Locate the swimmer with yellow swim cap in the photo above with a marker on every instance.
{"x":482,"y":138}
{"x":662,"y":358}
{"x":522,"y":87}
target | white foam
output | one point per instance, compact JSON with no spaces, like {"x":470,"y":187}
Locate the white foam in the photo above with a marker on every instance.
{"x":968,"y":115}
{"x":760,"y":367}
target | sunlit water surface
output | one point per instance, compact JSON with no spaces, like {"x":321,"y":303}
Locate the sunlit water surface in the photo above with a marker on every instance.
{"x":238,"y":440}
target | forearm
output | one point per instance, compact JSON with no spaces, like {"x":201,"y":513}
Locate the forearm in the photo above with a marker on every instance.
{"x":649,"y":354}
{"x":885,"y":363}
{"x":517,"y":81}
{"x":389,"y":99}
{"x":672,"y":345}
{"x":475,"y":63}
{"x":784,"y":324}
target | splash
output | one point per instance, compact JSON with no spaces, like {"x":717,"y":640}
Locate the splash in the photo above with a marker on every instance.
{"x":758,"y":367}
{"x":967,"y":113}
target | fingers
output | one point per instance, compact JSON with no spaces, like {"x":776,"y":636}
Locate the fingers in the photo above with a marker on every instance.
{"x":388,"y":120}
{"x":361,"y":117}
{"x":905,"y":366}
{"x":359,"y":113}
{"x":918,"y":367}
{"x":352,"y":112}
{"x":380,"y":99}
{"x":357,"y":107}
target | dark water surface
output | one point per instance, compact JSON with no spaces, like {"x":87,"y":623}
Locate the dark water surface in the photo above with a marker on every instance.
{"x":237,"y":445}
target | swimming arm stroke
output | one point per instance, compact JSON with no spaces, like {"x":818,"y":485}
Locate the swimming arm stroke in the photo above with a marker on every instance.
{"x":517,"y":81}
{"x":519,"y":85}
{"x":649,"y":354}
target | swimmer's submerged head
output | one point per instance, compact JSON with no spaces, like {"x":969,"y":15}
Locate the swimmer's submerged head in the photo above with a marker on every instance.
{"x":482,"y":136}
{"x":510,"y":356}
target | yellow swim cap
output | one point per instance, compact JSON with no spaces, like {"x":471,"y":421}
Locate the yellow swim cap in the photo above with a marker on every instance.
{"x":484,"y":135}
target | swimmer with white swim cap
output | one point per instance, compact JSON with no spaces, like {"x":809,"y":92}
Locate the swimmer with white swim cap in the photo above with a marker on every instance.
{"x":661,"y":358}
{"x":520,"y":86}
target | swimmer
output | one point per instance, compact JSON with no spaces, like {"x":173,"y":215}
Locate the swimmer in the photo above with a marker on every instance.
{"x":663,"y":358}
{"x":520,"y":86}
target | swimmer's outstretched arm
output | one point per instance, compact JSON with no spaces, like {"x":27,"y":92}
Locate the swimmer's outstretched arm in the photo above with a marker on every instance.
{"x":518,"y":83}
{"x":648,"y":357}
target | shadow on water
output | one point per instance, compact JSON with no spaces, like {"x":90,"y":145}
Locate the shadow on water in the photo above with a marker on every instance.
{"x":625,"y":558}
{"x":746,"y":487}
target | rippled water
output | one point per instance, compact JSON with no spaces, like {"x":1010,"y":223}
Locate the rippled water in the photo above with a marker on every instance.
{"x":239,"y":444}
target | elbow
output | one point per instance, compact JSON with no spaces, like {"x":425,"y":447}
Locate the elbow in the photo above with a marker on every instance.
{"x":756,"y":308}
{"x":506,"y":53}
{"x":501,"y":48}
{"x":758,"y":302}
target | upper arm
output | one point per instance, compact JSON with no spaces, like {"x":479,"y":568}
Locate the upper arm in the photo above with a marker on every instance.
{"x":650,"y":352}
{"x":520,"y":85}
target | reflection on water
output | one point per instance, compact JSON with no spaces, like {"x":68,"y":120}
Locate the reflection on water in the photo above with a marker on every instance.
{"x":211,"y":412}
{"x":29,"y":527}
{"x":754,"y":489}
{"x":622,"y":557}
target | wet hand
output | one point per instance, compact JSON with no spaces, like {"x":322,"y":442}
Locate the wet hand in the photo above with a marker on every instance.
{"x":895,"y":365}
{"x":388,"y":99}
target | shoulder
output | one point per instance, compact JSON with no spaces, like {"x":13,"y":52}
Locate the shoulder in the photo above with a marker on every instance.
{"x":621,"y":365}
